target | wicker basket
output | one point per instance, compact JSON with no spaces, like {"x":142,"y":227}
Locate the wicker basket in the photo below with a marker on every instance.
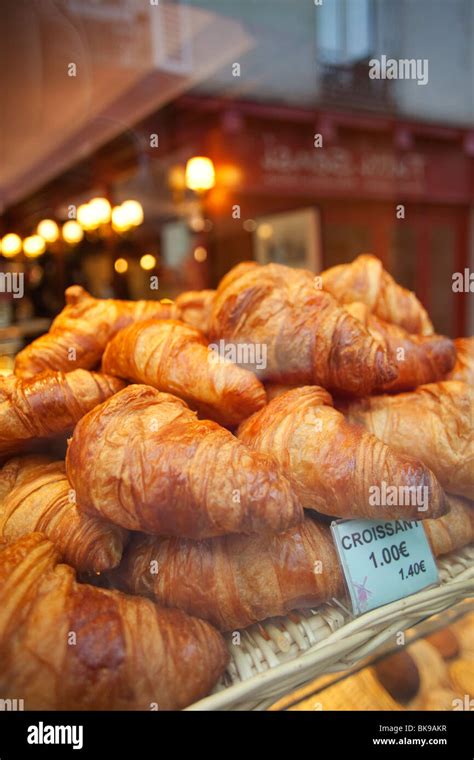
{"x":282,"y":654}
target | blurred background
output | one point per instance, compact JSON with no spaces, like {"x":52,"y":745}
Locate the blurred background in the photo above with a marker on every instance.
{"x":175,"y":138}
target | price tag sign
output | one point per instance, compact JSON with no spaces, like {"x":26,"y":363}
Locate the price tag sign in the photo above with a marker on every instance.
{"x":383,"y":560}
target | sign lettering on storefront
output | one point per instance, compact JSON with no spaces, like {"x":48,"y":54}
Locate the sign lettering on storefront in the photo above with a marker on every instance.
{"x":333,"y":162}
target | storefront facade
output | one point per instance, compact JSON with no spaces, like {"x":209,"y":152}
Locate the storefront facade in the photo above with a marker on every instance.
{"x":402,"y":190}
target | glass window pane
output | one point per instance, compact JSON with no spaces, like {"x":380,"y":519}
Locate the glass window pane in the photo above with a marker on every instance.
{"x":358,"y":42}
{"x":329,"y":30}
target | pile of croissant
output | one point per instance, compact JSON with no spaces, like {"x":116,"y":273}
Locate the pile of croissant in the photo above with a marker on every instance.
{"x":190,"y":495}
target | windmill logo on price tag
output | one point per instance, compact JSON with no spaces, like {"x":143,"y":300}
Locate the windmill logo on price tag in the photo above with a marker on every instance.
{"x":363,"y":594}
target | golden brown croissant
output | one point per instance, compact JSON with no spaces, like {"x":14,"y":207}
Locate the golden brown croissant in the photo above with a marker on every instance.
{"x":173,"y":357}
{"x":366,"y":280}
{"x":36,"y":496}
{"x":239,"y":270}
{"x":337,"y":468}
{"x":277,"y":389}
{"x":434,"y":423}
{"x":455,"y":529}
{"x":48,"y":404}
{"x":144,"y":461}
{"x":70,"y":646}
{"x":79,"y":334}
{"x":308,"y":337}
{"x":463,"y":370}
{"x":419,"y":359}
{"x":194,"y":307}
{"x":233,"y":581}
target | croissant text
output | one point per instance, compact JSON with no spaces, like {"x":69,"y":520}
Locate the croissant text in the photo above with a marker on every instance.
{"x":249,"y":355}
{"x":45,"y":734}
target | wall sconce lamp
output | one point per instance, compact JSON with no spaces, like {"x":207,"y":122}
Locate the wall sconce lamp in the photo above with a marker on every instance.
{"x":200,"y":174}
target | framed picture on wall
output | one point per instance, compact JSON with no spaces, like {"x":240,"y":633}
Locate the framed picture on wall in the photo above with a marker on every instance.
{"x":292,"y":238}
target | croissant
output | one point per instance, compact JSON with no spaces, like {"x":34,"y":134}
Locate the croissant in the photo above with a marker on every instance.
{"x":419,"y":359}
{"x":463,"y":370}
{"x":307,"y":336}
{"x":174,"y":357}
{"x":194,"y":307}
{"x":36,"y":496}
{"x":239,"y":270}
{"x":366,"y":280}
{"x":434,"y":423}
{"x":48,"y":404}
{"x":337,"y":468}
{"x":455,"y":529}
{"x":79,"y":334}
{"x":277,"y":389}
{"x":234,"y":581}
{"x":144,"y":461}
{"x":70,"y":646}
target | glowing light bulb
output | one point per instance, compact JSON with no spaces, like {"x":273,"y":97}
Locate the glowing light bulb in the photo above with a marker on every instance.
{"x":120,"y":222}
{"x":148,"y":261}
{"x":101,"y":209}
{"x":11,"y":245}
{"x":121,"y":265}
{"x":72,"y":232}
{"x":33,"y":246}
{"x":200,"y":253}
{"x":197,"y":223}
{"x":265,"y":231}
{"x":133,"y":213}
{"x":200,"y":174}
{"x":49,"y":230}
{"x":87,"y":217}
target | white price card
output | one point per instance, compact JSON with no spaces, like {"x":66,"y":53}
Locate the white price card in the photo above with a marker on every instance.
{"x":383,"y":560}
